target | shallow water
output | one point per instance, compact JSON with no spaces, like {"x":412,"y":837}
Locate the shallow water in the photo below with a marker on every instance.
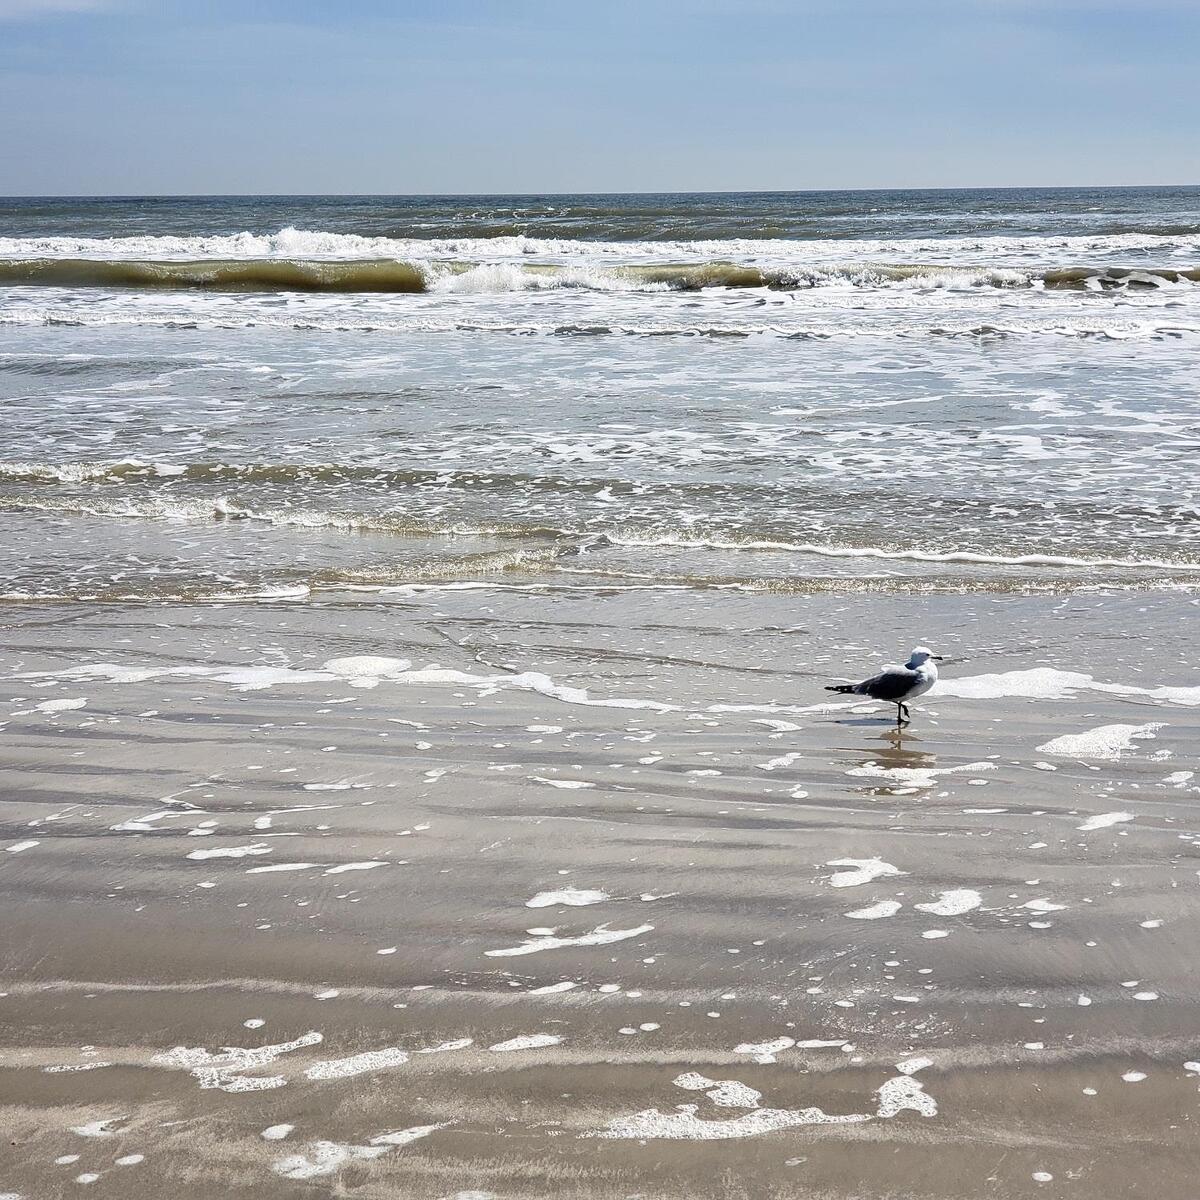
{"x":601,"y":892}
{"x":937,"y":390}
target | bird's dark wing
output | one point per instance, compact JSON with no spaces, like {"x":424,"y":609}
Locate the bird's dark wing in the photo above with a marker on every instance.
{"x":891,"y":684}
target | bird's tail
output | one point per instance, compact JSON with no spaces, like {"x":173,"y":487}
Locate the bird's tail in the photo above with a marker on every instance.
{"x":847,"y":689}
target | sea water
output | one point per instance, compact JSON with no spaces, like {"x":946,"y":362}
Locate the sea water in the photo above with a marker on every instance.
{"x":946,"y":390}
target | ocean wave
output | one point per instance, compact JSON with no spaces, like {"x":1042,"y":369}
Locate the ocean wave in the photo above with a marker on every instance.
{"x":574,"y":540}
{"x":292,"y":243}
{"x":200,"y":593}
{"x":206,"y":509}
{"x":963,"y":556}
{"x":137,"y":471}
{"x":1086,"y":326}
{"x":404,"y":277}
{"x":225,"y":275}
{"x":540,"y":578}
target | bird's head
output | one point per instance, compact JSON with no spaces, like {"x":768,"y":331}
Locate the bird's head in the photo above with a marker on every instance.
{"x":921,"y":655}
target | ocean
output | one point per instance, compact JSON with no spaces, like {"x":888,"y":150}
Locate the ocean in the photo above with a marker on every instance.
{"x":418,"y":773}
{"x":917,"y":389}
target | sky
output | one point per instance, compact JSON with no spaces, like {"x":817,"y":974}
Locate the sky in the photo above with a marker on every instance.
{"x":173,"y":97}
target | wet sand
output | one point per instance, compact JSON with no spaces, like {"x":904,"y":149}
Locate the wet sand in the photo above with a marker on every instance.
{"x":567,"y":893}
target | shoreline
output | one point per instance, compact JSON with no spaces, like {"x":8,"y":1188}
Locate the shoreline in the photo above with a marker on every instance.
{"x":736,"y":777}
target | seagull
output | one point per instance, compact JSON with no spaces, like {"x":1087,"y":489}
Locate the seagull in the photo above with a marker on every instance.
{"x":897,"y":685}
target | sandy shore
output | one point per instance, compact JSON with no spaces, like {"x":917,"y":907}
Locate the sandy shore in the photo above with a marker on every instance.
{"x":572,"y":894}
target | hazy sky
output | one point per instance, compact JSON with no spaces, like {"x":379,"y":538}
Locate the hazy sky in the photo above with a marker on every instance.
{"x":282,"y":96}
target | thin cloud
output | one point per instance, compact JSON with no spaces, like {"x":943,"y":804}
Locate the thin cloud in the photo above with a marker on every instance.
{"x":32,"y":10}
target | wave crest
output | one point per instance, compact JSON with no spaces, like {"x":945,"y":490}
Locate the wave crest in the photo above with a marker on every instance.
{"x":403,"y":277}
{"x":571,"y":541}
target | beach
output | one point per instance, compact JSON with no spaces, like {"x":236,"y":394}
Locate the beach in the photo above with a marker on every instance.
{"x":418,"y":778}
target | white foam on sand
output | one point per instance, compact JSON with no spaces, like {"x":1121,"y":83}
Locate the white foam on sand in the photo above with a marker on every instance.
{"x":96,"y":1129}
{"x":573,"y":897}
{"x":50,"y":707}
{"x":784,"y":760}
{"x":357,"y":1064}
{"x":1104,"y":821}
{"x":1047,"y":683}
{"x":224,"y":1071}
{"x":564,"y":784}
{"x":324,"y":1158}
{"x":885,"y":908}
{"x":532,"y":681}
{"x":366,"y":670}
{"x":905,"y":1092}
{"x":528,"y":1041}
{"x":551,"y":988}
{"x":1106,"y":742}
{"x":863,"y":870}
{"x":601,"y":936}
{"x":230,"y":852}
{"x":113,"y":673}
{"x":442,"y":1047}
{"x":402,"y":1137}
{"x":952,"y":903}
{"x":20,"y":847}
{"x":765,"y":1052}
{"x":144,"y":824}
{"x":1037,"y":683}
{"x":727,"y":1093}
{"x":281,"y":867}
{"x":354,"y":866}
{"x":916,"y":777}
{"x":358,"y":671}
{"x":276,"y":1133}
{"x":684,"y":1125}
{"x":259,"y":679}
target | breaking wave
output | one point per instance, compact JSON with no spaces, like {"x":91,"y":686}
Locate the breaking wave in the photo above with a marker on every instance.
{"x":223,"y":275}
{"x":571,"y":540}
{"x":1095,"y":326}
{"x":301,"y":244}
{"x":403,"y":277}
{"x":133,"y":470}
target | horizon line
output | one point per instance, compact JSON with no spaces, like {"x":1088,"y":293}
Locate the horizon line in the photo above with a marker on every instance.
{"x":439,"y":195}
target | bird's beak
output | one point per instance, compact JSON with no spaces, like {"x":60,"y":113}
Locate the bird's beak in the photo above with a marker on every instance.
{"x":938,"y":657}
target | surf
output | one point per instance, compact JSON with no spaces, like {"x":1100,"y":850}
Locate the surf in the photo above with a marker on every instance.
{"x":461,"y":276}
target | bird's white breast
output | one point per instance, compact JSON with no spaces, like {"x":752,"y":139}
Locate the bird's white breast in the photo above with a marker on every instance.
{"x":926,"y":677}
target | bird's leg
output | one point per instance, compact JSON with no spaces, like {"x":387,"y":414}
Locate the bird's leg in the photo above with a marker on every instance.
{"x":907,"y":714}
{"x":899,"y":715}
